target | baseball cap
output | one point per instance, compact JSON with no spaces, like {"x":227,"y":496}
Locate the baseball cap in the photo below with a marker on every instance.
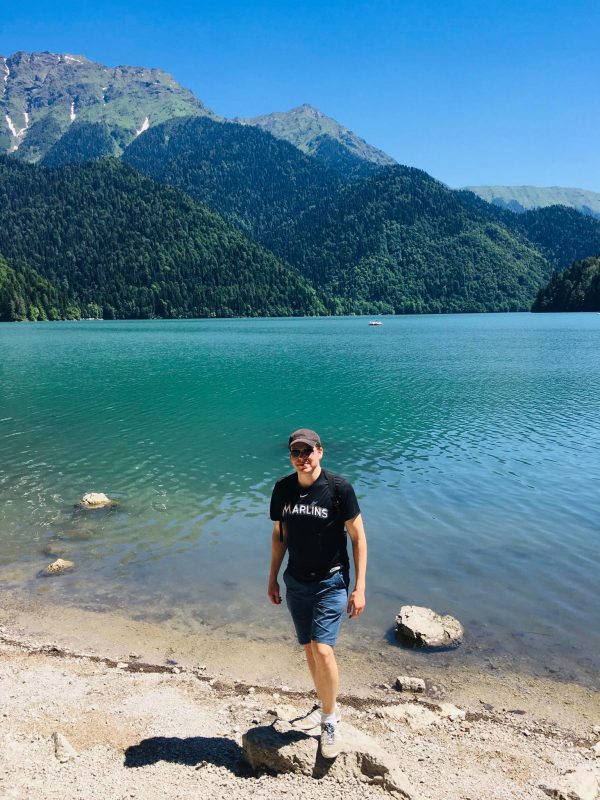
{"x":306,"y":436}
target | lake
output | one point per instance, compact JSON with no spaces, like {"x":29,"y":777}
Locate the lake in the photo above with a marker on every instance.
{"x":472,"y":442}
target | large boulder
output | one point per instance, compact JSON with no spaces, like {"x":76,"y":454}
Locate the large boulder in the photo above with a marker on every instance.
{"x":279,"y":747}
{"x":424,"y":628}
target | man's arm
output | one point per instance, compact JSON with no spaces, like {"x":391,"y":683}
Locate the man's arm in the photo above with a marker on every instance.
{"x":356,"y":532}
{"x":278,"y":549}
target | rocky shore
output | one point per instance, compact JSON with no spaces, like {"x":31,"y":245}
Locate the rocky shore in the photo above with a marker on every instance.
{"x":104,"y":707}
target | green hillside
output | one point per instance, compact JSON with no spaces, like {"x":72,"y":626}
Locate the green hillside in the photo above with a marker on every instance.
{"x":255,"y":181}
{"x":575,"y":289}
{"x":45,"y":93}
{"x":26,"y":295}
{"x":104,"y":234}
{"x":524,"y":198}
{"x":324,"y":138}
{"x":402,"y":242}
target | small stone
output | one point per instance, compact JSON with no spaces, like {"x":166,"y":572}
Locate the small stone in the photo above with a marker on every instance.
{"x":134,"y":655}
{"x":596,"y":729}
{"x":526,"y":732}
{"x":58,"y":566}
{"x":251,"y":690}
{"x":63,"y":750}
{"x":405,"y":683}
{"x":122,"y":665}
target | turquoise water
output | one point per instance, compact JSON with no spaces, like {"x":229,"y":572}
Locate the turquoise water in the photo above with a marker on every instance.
{"x":472,"y":442}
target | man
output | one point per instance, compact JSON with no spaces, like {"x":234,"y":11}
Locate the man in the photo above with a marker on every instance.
{"x":312,"y":509}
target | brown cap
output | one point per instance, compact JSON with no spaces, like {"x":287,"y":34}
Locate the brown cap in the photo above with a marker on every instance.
{"x":306,"y":436}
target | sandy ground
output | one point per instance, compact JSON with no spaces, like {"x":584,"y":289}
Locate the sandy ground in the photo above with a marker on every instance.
{"x":157,"y":714}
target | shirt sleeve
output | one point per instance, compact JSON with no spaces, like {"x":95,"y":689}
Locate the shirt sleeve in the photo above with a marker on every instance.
{"x":350,"y":507}
{"x":276,"y":502}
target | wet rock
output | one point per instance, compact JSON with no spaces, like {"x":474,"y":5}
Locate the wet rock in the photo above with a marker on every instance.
{"x":425,"y":628}
{"x":57,"y":567}
{"x":283,"y":749}
{"x":63,"y":750}
{"x":580,"y":784}
{"x":406,"y":684}
{"x":95,"y":500}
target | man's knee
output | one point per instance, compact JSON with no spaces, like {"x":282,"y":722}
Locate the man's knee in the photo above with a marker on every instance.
{"x":322,"y":652}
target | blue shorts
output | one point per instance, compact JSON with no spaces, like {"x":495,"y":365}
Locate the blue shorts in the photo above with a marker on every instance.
{"x":317,"y":607}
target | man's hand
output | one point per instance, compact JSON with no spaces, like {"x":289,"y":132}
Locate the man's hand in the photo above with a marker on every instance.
{"x":356,"y":603}
{"x":273,"y":592}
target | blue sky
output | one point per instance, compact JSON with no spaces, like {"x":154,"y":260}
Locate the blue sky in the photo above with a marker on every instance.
{"x":480,"y":92}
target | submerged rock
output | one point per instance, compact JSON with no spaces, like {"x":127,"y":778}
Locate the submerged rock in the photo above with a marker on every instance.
{"x":424,"y":628}
{"x":95,"y":500}
{"x":58,"y":566}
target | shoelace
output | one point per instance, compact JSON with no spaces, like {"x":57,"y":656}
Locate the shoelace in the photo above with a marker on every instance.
{"x":329,"y":732}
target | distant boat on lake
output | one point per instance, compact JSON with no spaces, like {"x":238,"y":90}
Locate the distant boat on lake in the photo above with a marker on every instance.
{"x":375,"y":322}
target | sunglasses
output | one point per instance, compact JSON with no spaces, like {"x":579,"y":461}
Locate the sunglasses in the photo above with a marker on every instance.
{"x":304,"y":453}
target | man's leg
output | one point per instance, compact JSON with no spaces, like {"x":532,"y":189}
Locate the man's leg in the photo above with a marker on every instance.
{"x":324,"y":671}
{"x":310,"y":660}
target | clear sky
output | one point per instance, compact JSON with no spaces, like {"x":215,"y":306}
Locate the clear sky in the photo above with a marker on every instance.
{"x":473,"y":91}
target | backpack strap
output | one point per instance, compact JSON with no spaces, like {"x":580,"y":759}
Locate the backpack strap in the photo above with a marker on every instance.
{"x":334,"y":493}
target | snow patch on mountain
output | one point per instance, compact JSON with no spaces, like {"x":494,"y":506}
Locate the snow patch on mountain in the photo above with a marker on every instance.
{"x":17,"y":134}
{"x":145,"y":126}
{"x":72,"y":114}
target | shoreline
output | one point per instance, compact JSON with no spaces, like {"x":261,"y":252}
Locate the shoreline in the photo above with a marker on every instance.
{"x":113,"y":686}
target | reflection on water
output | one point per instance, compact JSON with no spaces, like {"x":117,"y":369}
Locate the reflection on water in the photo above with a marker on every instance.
{"x":471,"y":441}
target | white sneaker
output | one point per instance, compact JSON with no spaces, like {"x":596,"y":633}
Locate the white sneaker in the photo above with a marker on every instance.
{"x":313,"y":718}
{"x":331,"y":745}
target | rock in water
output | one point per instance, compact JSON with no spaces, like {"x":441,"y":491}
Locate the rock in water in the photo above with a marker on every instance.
{"x":63,"y":750}
{"x":95,"y":500}
{"x":58,"y":566}
{"x":425,"y":628}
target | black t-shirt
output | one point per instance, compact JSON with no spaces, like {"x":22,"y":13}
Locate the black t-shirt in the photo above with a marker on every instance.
{"x":316,"y":538}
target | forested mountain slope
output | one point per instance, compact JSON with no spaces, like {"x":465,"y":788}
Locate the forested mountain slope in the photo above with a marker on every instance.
{"x":575,"y":289}
{"x":255,"y":181}
{"x":402,"y":242}
{"x":102,"y":233}
{"x":25,"y":294}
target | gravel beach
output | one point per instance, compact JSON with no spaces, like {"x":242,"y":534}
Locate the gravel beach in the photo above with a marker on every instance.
{"x":100,"y":706}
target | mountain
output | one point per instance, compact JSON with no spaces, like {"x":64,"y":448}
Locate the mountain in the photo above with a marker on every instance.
{"x":25,"y":294}
{"x":43,"y":94}
{"x":522,"y":198}
{"x":575,"y":289}
{"x":255,"y":181}
{"x":107,"y":237}
{"x":397,"y":241}
{"x":320,"y":136}
{"x":402,"y":242}
{"x":562,"y":234}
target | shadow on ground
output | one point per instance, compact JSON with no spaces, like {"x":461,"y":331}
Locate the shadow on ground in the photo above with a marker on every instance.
{"x":192,"y":751}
